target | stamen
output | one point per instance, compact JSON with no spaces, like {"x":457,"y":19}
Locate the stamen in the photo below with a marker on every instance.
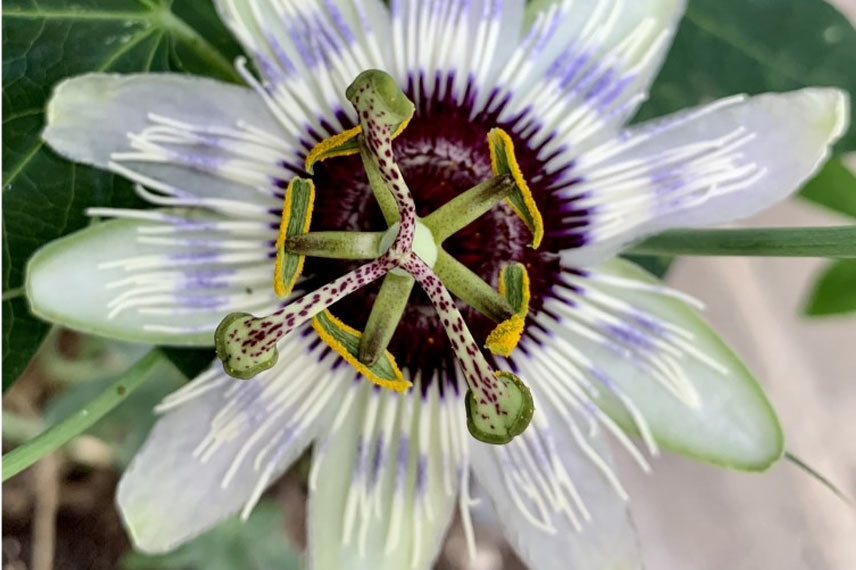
{"x":514,"y":286}
{"x":336,"y":245}
{"x":346,"y":143}
{"x":385,"y":315}
{"x":346,"y":341}
{"x":503,"y":162}
{"x":465,"y":208}
{"x":342,"y":144}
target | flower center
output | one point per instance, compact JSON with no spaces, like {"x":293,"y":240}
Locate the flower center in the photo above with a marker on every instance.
{"x":499,"y":406}
{"x":441,"y":154}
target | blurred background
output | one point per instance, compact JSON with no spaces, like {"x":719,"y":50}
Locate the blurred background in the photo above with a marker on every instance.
{"x":60,"y":514}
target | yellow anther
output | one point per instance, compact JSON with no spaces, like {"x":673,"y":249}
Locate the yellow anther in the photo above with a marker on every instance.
{"x":345,"y":341}
{"x":342,"y":144}
{"x":503,"y":161}
{"x":503,"y":339}
{"x":296,"y":219}
{"x":514,"y":287}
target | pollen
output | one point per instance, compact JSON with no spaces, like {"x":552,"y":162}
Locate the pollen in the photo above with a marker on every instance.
{"x":504,"y":338}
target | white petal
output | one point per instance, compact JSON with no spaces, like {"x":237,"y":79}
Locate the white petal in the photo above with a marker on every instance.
{"x":710,"y":165}
{"x":308,"y":52}
{"x":383,"y":482}
{"x":557,"y":508}
{"x":582,"y":70}
{"x":219,"y":445}
{"x":616,"y":337}
{"x":123,"y":280}
{"x":90,"y":117}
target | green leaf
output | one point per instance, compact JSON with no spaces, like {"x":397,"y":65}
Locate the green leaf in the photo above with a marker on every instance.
{"x":43,"y":42}
{"x":834,"y":187}
{"x":734,"y":46}
{"x":259,"y":543}
{"x":190,"y":361}
{"x":834,"y":292}
{"x":22,"y":335}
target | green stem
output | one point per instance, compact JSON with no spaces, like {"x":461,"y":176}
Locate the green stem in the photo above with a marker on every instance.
{"x":57,"y":435}
{"x":336,"y":245}
{"x":386,"y":313}
{"x":382,"y":194}
{"x":465,"y":208}
{"x":839,"y":242}
{"x":471,"y":288}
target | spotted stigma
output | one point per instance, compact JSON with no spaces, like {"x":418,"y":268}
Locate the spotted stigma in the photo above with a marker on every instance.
{"x":499,"y":406}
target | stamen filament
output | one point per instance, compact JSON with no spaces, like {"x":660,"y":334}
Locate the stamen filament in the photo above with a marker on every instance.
{"x":471,"y":289}
{"x":465,"y":208}
{"x":386,"y":313}
{"x":336,"y":245}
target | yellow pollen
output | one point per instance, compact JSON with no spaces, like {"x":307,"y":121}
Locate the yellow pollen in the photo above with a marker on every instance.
{"x":504,"y":338}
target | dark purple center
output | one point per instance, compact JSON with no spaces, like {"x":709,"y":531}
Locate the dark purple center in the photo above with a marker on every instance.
{"x":441,"y":154}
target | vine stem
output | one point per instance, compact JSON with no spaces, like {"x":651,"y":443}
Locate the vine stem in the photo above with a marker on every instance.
{"x":835,"y":242}
{"x":61,"y":433}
